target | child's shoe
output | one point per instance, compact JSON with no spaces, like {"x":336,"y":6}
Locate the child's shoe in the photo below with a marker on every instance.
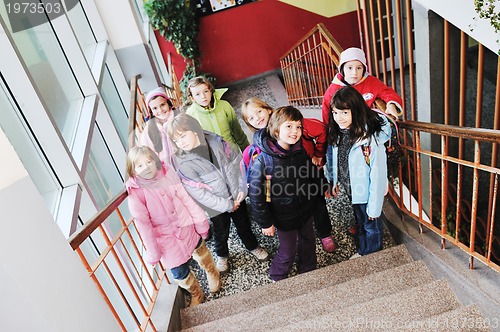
{"x":356,"y":255}
{"x":260,"y":253}
{"x":204,"y":258}
{"x":328,"y":244}
{"x":222,"y":264}
{"x":190,"y":283}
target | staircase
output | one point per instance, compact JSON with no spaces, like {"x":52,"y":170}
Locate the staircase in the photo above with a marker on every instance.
{"x":386,"y":291}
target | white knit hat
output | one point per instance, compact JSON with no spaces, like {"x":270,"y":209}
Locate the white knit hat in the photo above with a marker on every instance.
{"x":155,"y":93}
{"x":352,"y":53}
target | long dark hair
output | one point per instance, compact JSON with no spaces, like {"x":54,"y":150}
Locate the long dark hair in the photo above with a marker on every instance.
{"x":365,"y":122}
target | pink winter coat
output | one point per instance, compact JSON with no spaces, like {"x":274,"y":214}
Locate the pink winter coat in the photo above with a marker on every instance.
{"x":169,"y":221}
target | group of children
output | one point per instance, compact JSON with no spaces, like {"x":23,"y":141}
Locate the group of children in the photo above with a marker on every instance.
{"x":189,"y":171}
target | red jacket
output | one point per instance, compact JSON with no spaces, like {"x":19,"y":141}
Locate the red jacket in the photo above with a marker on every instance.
{"x":314,"y":134}
{"x":370,"y":87}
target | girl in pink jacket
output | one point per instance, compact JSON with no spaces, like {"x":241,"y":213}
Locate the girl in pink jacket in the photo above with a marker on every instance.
{"x":154,"y":135}
{"x":172,"y":226}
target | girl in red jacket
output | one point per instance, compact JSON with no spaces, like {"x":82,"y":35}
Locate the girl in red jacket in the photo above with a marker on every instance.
{"x":256,"y":114}
{"x":353,"y":72}
{"x":172,"y":226}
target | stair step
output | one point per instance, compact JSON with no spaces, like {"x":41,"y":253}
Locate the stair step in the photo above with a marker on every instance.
{"x":386,"y":312}
{"x":324,"y":300}
{"x":295,"y":286}
{"x":461,"y":319}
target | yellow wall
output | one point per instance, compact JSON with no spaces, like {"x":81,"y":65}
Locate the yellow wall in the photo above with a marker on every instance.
{"x":326,"y":8}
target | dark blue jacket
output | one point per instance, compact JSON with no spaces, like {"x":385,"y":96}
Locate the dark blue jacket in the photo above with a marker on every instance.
{"x":295,"y":185}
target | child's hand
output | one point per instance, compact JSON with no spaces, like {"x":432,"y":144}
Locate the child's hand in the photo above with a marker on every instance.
{"x":332,"y":192}
{"x":236,"y":206}
{"x":240,"y":197}
{"x":392,"y":110}
{"x":318,"y":161}
{"x":268,"y":231}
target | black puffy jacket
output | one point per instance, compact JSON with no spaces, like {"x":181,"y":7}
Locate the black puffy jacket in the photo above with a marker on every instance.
{"x":295,"y":185}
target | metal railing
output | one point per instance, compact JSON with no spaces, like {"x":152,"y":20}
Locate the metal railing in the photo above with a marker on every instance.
{"x":462,"y":188}
{"x":442,"y":191}
{"x":309,"y":67}
{"x":111,"y":248}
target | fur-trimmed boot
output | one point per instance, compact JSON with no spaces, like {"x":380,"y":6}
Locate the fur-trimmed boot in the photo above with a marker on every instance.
{"x":190,"y":283}
{"x":204,"y":258}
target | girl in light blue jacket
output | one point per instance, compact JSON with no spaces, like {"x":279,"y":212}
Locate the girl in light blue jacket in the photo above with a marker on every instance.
{"x":356,"y":160}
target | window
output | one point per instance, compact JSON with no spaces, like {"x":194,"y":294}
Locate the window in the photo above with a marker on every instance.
{"x":49,"y":69}
{"x":21,"y":138}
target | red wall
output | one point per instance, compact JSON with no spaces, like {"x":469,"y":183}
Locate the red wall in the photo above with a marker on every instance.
{"x":250,"y":39}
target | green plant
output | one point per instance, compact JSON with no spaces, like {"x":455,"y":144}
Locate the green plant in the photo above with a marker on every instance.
{"x":487,"y":10}
{"x":176,"y":21}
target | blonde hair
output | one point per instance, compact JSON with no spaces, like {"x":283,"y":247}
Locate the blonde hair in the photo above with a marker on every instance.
{"x":280,"y":116}
{"x":141,"y":151}
{"x":257,"y":103}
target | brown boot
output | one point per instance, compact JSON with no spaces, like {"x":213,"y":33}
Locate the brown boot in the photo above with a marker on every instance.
{"x":206,"y":262}
{"x":190,"y":283}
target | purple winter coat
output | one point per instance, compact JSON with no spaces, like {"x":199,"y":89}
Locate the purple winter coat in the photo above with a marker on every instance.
{"x":169,"y":221}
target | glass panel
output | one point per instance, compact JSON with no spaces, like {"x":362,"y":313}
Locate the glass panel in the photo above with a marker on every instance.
{"x":29,"y":154}
{"x":46,"y":62}
{"x":83,"y":31}
{"x":115,"y":106}
{"x":102,"y":175}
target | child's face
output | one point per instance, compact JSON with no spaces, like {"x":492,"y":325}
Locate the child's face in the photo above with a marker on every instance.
{"x":290,"y":133}
{"x":160,"y":108}
{"x":145,"y":167}
{"x":342,"y":117}
{"x":258,"y":117}
{"x":353,"y":71}
{"x":201,"y":94}
{"x":187,"y":140}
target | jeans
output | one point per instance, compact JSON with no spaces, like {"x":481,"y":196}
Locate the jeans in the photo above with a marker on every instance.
{"x":182,"y":271}
{"x":221,"y":225}
{"x":370,"y":233}
{"x":298,"y":241}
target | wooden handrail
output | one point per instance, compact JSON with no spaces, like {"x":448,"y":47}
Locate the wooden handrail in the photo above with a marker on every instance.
{"x":323,"y":31}
{"x":77,"y":238}
{"x":488,"y":135}
{"x":132,"y":115}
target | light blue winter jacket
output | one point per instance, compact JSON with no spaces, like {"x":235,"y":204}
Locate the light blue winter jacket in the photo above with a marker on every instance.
{"x":368,"y":182}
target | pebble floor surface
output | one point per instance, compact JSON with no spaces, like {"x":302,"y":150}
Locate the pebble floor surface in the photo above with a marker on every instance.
{"x":246,"y":272}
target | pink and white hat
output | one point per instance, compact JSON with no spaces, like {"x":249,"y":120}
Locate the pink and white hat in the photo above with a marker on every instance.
{"x":351,"y":54}
{"x":156,"y":93}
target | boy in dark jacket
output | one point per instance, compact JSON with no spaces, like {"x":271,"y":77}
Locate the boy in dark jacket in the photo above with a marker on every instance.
{"x":283,"y":195}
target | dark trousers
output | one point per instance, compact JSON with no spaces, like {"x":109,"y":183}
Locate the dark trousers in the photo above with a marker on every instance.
{"x":370,"y":233}
{"x":301,"y":242}
{"x":322,"y":219}
{"x":221,"y":224}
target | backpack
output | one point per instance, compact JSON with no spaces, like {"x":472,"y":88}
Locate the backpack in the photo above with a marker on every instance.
{"x":249,"y":156}
{"x":393,"y":148}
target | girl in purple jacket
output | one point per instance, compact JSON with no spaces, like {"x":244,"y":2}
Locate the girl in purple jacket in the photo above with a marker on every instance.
{"x":172,"y":226}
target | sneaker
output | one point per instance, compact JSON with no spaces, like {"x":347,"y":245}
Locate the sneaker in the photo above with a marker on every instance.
{"x":260,"y":253}
{"x":353,"y":230}
{"x":222,"y":264}
{"x":356,"y":255}
{"x":328,"y":244}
